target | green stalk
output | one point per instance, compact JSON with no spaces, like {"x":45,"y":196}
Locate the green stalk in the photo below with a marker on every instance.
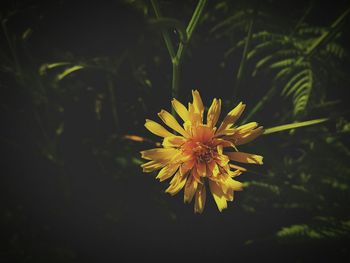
{"x":165,"y":33}
{"x":244,"y":55}
{"x":176,"y":80}
{"x":293,"y":126}
{"x":301,"y":20}
{"x":177,"y":58}
{"x":12,"y":49}
{"x":191,"y":26}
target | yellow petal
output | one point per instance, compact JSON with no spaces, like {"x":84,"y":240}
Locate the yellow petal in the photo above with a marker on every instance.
{"x":234,"y":173}
{"x":218,"y":195}
{"x":223,"y":143}
{"x":245,"y":157}
{"x":180,"y":109}
{"x":226,"y":186}
{"x":202,"y":133}
{"x":201,"y":195}
{"x":167,"y":172}
{"x":175,"y":178}
{"x":226,"y":190}
{"x":188,"y":126}
{"x":237,"y":167}
{"x":214,"y":112}
{"x":169,"y":120}
{"x":177,"y":184}
{"x":173,"y":141}
{"x":201,"y":169}
{"x":151,"y":166}
{"x":197,"y":102}
{"x":222,"y":160}
{"x":219,"y":148}
{"x":157,"y":129}
{"x":190,"y":189}
{"x":194,"y":117}
{"x":213,"y":169}
{"x":229,"y":195}
{"x":186,"y":166}
{"x":249,"y":136}
{"x":195,"y":175}
{"x":231,"y":118}
{"x":233,"y":184}
{"x":247,"y":127}
{"x":160,"y":154}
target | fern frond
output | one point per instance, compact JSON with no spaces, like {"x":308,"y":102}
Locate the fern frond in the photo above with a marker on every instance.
{"x":299,"y":83}
{"x":335,"y":49}
{"x":238,"y":17}
{"x":283,"y":63}
{"x":314,"y":30}
{"x":321,"y":229}
{"x":292,"y":80}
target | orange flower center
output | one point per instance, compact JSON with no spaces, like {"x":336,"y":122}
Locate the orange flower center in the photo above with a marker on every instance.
{"x":203,"y":153}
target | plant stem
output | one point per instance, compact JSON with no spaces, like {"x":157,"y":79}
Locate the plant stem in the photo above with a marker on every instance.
{"x":176,"y":79}
{"x":12,"y":49}
{"x":245,"y":53}
{"x":191,"y":26}
{"x":291,"y":126}
{"x":177,"y":58}
{"x":301,"y":20}
{"x":165,"y":33}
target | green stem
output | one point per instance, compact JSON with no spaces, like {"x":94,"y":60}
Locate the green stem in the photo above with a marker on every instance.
{"x":175,"y":83}
{"x":301,"y":20}
{"x":176,"y":79}
{"x":191,"y":27}
{"x":244,"y":55}
{"x":295,"y":125}
{"x":165,"y":33}
{"x":177,"y":58}
{"x":12,"y":49}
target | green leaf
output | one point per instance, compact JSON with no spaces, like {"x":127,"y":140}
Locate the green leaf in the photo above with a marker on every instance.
{"x":293,"y":125}
{"x":292,"y":80}
{"x":68,"y":71}
{"x":303,"y":82}
{"x":283,"y":63}
{"x":43,"y":68}
{"x":282,"y":73}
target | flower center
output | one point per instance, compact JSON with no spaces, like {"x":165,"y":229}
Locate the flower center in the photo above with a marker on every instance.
{"x":204,"y":153}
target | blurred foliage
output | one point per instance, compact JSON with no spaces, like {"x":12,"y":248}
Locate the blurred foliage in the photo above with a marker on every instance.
{"x":78,"y":81}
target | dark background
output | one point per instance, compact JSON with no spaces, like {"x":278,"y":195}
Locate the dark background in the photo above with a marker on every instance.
{"x":72,"y":189}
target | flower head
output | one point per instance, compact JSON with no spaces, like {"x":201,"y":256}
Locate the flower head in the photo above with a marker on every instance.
{"x":201,"y":154}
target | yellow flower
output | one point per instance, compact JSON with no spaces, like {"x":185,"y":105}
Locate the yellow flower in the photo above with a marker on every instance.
{"x":198,"y":154}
